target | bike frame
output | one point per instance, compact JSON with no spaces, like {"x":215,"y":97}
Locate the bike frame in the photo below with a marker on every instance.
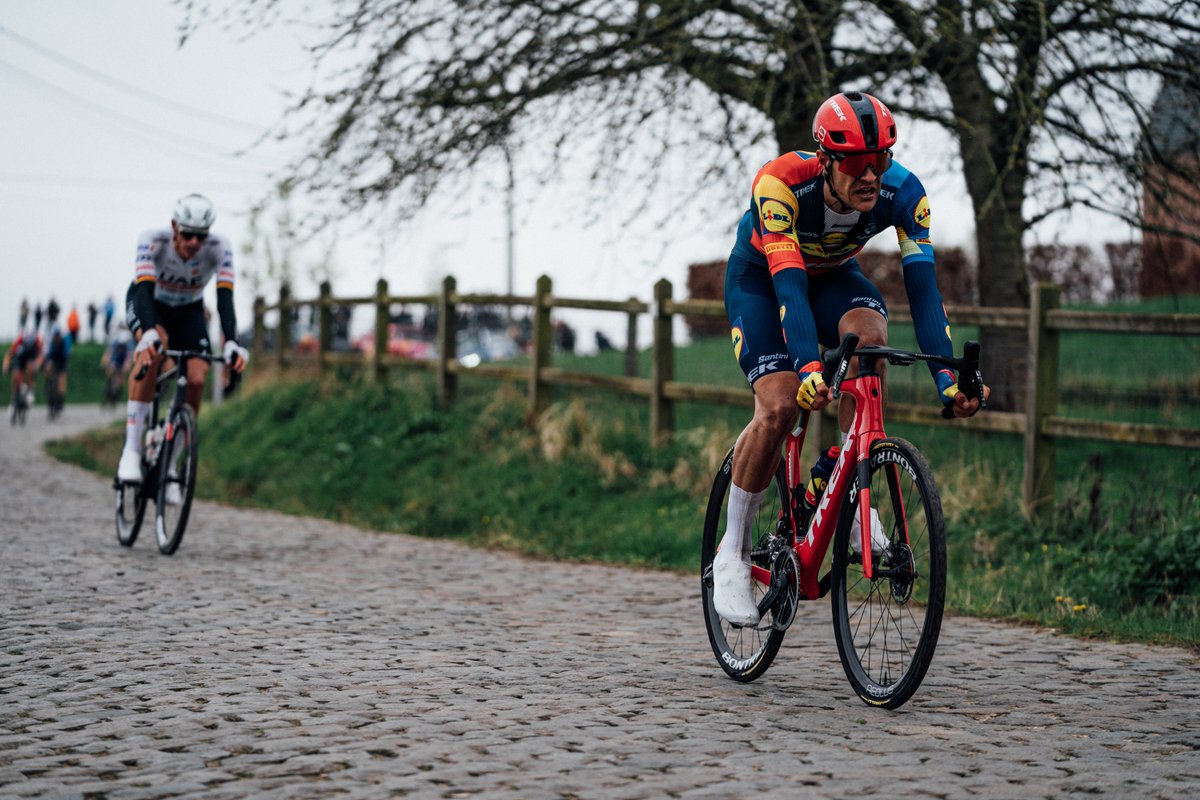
{"x":867,"y":428}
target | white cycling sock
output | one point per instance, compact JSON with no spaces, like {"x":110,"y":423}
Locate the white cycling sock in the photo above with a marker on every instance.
{"x":136,"y":413}
{"x":743,"y":506}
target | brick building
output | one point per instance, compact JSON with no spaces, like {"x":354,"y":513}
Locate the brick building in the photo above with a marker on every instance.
{"x":1171,"y":262}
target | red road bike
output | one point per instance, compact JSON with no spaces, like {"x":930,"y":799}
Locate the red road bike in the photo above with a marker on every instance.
{"x":886,"y":599}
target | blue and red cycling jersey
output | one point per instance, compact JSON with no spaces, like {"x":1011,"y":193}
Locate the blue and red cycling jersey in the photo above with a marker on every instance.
{"x":792,"y":239}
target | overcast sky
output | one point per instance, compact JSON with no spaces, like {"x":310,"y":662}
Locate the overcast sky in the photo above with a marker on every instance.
{"x":108,"y":121}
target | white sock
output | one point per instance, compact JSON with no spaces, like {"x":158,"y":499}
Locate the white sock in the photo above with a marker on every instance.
{"x":845,"y":436}
{"x":136,"y":413}
{"x":743,"y":506}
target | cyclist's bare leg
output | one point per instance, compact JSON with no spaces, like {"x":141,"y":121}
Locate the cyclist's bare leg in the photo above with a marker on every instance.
{"x":137,"y":410}
{"x":197,"y":374}
{"x":757,"y":449}
{"x":755,"y":456}
{"x":871,"y":328}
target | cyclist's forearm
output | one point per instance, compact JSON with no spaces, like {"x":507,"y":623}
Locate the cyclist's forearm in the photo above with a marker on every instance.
{"x":227,"y":314}
{"x":142,"y":315}
{"x":928,"y":312}
{"x":796,"y":317}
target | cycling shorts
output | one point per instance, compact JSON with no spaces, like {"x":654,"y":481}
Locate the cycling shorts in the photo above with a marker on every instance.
{"x":750,"y":299}
{"x":24,"y":356}
{"x":185,"y":326}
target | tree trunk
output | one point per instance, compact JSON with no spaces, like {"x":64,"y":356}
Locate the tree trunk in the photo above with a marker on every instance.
{"x":995,"y":169}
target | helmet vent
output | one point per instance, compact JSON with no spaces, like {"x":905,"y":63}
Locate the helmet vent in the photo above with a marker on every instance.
{"x":838,"y":137}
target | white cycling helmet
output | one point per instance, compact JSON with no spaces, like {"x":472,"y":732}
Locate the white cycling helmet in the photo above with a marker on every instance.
{"x":194,"y":212}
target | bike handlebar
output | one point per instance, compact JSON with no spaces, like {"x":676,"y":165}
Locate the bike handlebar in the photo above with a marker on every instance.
{"x":181,"y":355}
{"x":836,"y":361}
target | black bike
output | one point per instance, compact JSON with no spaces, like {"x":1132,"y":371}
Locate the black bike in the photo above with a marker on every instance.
{"x":168,"y":462}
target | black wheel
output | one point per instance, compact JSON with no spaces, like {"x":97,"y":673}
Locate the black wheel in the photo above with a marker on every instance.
{"x":131,"y":509}
{"x":745,"y":653}
{"x":887,"y":627}
{"x":176,"y":481}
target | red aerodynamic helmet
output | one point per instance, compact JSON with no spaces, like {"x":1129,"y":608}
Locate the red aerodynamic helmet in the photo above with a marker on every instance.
{"x":854,"y":122}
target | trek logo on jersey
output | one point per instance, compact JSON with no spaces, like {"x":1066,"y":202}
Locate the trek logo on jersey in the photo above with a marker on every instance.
{"x":776,"y":217}
{"x":739,"y":338}
{"x":921,"y":213}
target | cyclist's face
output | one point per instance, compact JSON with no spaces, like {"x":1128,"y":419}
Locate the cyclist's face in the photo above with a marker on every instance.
{"x":860,"y":193}
{"x":186,"y":244}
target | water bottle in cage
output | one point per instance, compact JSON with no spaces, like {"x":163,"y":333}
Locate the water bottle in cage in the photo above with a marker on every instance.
{"x":819,"y":477}
{"x":153,"y":437}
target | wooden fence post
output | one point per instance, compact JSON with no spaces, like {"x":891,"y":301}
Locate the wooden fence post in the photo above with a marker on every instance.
{"x":631,"y":359}
{"x":259,"y":346}
{"x":381,"y":329}
{"x":284,"y":330}
{"x":662,"y":367}
{"x":447,"y":341}
{"x":543,"y":337}
{"x":1041,"y":402}
{"x":324,"y":327}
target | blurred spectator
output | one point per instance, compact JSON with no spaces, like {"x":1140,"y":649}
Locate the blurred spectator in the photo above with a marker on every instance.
{"x":109,"y":309}
{"x":603,"y":343}
{"x":91,"y":312}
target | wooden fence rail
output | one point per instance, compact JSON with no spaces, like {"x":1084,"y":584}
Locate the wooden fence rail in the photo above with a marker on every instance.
{"x":1039,"y":424}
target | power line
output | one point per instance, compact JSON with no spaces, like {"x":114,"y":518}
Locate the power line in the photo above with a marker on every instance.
{"x":172,"y":138}
{"x":109,"y":183}
{"x":128,"y":88}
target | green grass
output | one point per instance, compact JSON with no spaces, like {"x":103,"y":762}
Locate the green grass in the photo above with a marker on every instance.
{"x":1116,"y":558}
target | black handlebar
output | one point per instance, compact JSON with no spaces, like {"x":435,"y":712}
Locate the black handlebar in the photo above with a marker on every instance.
{"x":836,"y":361}
{"x":183,"y":355}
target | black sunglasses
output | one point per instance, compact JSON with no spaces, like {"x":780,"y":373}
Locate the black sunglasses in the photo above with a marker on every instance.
{"x":197,"y":235}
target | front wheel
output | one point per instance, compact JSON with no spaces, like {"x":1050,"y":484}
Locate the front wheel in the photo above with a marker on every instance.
{"x":177,"y":480}
{"x":887,"y":626}
{"x":131,"y":509}
{"x":744,"y":653}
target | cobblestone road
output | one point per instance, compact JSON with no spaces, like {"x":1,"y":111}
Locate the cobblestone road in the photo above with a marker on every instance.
{"x":281,"y":657}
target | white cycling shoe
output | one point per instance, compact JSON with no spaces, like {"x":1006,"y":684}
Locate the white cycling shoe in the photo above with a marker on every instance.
{"x":879,"y":541}
{"x":130,"y":468}
{"x":172,"y":494}
{"x":733,"y":598}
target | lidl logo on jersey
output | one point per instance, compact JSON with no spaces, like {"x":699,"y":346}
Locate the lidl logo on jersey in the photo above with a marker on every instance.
{"x":738,"y":338}
{"x":776,"y":217}
{"x":921,"y":213}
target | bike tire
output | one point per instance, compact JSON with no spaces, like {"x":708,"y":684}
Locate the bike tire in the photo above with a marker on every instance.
{"x":744,"y":653}
{"x":887,"y":628}
{"x":131,"y":510}
{"x":170,"y":519}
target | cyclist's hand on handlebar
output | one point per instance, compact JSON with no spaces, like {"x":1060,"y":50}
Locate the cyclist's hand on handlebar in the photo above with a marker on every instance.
{"x":236,"y":356}
{"x":953,"y":398}
{"x":814,"y":393}
{"x":149,"y":339}
{"x":964,"y":406}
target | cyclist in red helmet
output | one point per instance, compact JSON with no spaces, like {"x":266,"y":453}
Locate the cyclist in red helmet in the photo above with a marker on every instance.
{"x":793,"y":283}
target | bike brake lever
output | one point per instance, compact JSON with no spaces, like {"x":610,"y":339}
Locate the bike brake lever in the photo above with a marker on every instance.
{"x":845,"y":352}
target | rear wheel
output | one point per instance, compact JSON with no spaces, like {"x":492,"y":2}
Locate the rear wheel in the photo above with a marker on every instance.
{"x":887,"y":626}
{"x":176,"y":481}
{"x":745,"y":653}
